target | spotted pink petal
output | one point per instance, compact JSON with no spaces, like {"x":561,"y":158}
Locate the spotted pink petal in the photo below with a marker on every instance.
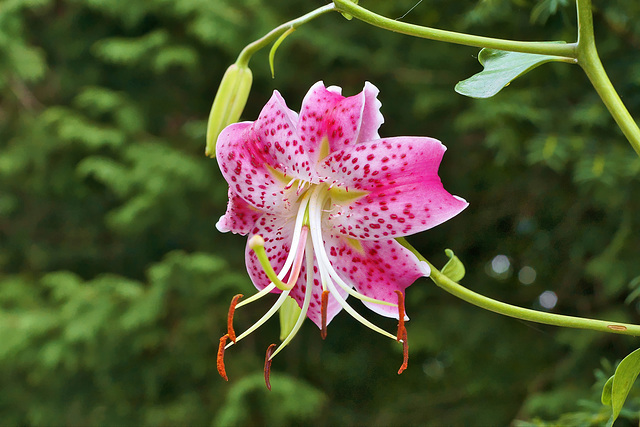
{"x":277,"y":137}
{"x":240,"y":216}
{"x":325,"y":113}
{"x":244,"y":167}
{"x":248,"y":170}
{"x":376,"y":269}
{"x":404,"y":192}
{"x":371,"y":116}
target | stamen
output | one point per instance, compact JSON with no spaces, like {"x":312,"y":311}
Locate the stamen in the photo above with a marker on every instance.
{"x":267,"y":366}
{"x":405,"y":353}
{"x":220,"y":358}
{"x":301,"y":187}
{"x":305,"y":303}
{"x":232,"y":309}
{"x":355,"y":314}
{"x":297,"y":263}
{"x":283,"y":296}
{"x":315,"y":209}
{"x":258,"y":295}
{"x":401,"y":328}
{"x":290,"y":184}
{"x":323,"y":313}
{"x":402,"y":333}
{"x":322,"y":257}
{"x":336,"y":278}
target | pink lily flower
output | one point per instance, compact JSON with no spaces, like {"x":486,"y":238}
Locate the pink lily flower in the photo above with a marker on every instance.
{"x":324,"y":197}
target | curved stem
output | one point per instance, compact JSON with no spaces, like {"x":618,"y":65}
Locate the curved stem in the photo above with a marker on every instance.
{"x":519,"y":312}
{"x":271,"y":36}
{"x":543,"y":48}
{"x":589,"y":60}
{"x":527,"y":314}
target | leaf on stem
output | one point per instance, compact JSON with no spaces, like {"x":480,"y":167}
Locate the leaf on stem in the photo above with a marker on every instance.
{"x":617,"y":388}
{"x":500,"y":68}
{"x":346,"y":15}
{"x":453,"y":269}
{"x":274,"y":48}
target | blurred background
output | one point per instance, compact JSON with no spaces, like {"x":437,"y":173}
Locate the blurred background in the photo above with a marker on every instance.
{"x":115,"y":284}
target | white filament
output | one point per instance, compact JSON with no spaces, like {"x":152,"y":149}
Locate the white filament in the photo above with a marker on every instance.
{"x":315,"y":219}
{"x":290,"y":257}
{"x":305,"y":303}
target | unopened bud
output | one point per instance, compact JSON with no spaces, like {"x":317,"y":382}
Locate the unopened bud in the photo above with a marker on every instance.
{"x":228,"y":104}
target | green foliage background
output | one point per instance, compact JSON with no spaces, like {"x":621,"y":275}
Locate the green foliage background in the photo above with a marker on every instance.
{"x":114,"y":283}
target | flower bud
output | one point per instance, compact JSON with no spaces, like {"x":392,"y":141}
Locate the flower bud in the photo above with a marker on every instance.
{"x":228,"y":104}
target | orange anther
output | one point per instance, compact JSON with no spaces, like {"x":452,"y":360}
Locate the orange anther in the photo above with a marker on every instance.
{"x":267,"y":365}
{"x":232,"y":309}
{"x":401,"y":329}
{"x":402,"y":333}
{"x":220,"y":358}
{"x":323,"y":313}
{"x":405,"y":353}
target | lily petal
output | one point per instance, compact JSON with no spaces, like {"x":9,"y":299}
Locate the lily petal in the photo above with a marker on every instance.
{"x":247,"y":170}
{"x":377,"y":269}
{"x":240,"y":216}
{"x":404,"y":192}
{"x":328,"y":117}
{"x":277,"y":137}
{"x":372,"y":118}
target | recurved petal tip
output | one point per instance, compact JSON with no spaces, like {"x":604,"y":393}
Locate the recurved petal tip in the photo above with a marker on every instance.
{"x":424,"y":268}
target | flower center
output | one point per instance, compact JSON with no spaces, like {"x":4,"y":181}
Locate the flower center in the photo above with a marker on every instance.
{"x":314,"y":200}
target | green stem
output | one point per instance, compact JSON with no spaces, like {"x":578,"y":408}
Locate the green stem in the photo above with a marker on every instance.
{"x":589,"y":60}
{"x":530,"y":315}
{"x":249,"y":50}
{"x":542,"y":48}
{"x":519,"y":312}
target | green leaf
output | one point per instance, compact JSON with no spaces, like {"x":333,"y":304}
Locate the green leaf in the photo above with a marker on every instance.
{"x":346,"y":15}
{"x":606,"y":391}
{"x":274,"y":48}
{"x":453,"y":269}
{"x":621,"y":382}
{"x":500,"y":68}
